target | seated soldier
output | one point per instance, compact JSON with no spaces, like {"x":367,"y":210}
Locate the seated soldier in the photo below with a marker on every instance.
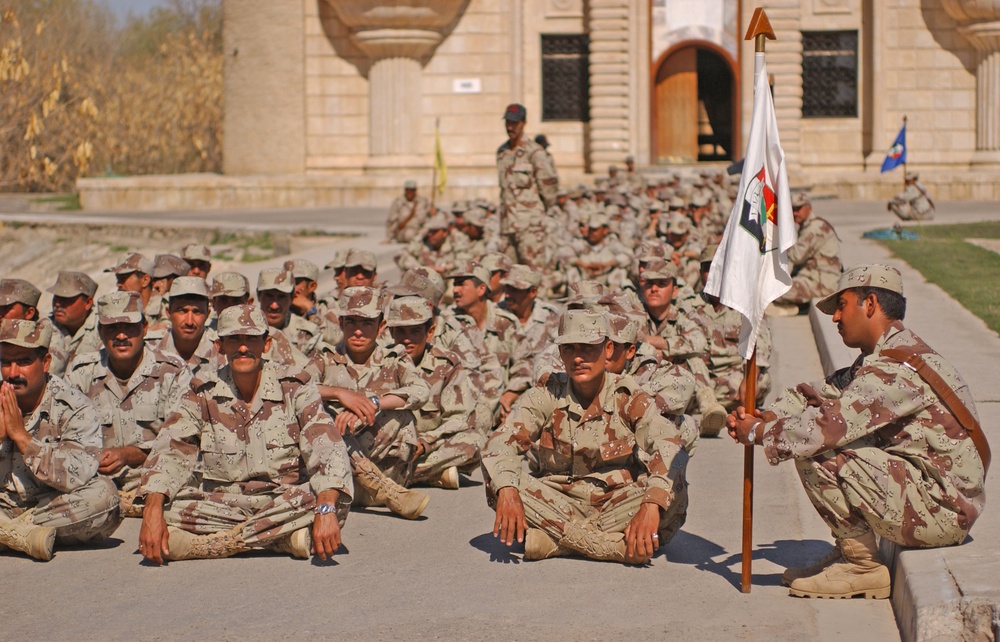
{"x":274,"y":293}
{"x":606,"y":471}
{"x":188,"y":336}
{"x":670,"y":331}
{"x":814,"y":261}
{"x":74,"y":321}
{"x":199,"y":257}
{"x":604,"y":258}
{"x":890,"y":446}
{"x":373,"y":392}
{"x":913,"y":203}
{"x":432,"y":248}
{"x":134,"y":273}
{"x":50,"y":439}
{"x":305,"y":304}
{"x":250,"y":460}
{"x":228,"y":289}
{"x":166,"y":268}
{"x":133,"y":387}
{"x":451,"y":425}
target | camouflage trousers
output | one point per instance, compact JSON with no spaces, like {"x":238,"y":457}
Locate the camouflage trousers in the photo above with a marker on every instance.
{"x":726,"y":383}
{"x":908,"y":212}
{"x":390,"y":443}
{"x":808,"y":285}
{"x":87,"y":514}
{"x":458,"y":449}
{"x":264,"y":515}
{"x":865,"y":488}
{"x":551,"y":502}
{"x":528,"y":245}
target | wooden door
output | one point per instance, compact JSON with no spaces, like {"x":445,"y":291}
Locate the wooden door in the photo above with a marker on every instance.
{"x":677,"y":108}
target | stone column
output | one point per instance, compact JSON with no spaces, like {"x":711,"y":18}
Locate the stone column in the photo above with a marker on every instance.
{"x":609,"y":83}
{"x":979,"y":22}
{"x":394,"y":110}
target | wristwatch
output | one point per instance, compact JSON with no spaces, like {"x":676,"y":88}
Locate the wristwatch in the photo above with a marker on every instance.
{"x":325,"y":509}
{"x":752,"y":435}
{"x":378,"y":404}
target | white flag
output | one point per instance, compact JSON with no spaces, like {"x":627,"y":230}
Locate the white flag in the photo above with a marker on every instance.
{"x":750,"y":269}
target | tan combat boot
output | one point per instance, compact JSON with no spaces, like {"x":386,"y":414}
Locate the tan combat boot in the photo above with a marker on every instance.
{"x":447,"y":479}
{"x":792,"y":574}
{"x":126,"y":499}
{"x":385,"y":492}
{"x":539,"y":546}
{"x":183,"y":545}
{"x":592,"y":543}
{"x":22,"y":535}
{"x":861,"y":573}
{"x":713,"y":414}
{"x":297,"y":544}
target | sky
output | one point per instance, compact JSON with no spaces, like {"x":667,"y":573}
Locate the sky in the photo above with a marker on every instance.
{"x":122,"y":8}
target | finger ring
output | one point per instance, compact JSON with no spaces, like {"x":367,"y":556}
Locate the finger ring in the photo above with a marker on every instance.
{"x":656,"y":536}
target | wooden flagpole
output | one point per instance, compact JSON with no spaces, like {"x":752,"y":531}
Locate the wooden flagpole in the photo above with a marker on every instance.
{"x":758,"y":31}
{"x":907,"y":152}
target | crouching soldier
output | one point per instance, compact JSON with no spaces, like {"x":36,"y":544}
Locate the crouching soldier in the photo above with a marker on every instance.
{"x":50,"y":440}
{"x":251,"y":460}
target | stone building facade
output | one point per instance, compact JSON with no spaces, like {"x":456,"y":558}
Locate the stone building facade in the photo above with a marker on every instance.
{"x":335,"y":101}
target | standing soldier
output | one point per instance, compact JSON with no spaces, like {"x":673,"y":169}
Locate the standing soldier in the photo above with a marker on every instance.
{"x":528,"y":186}
{"x":407,"y":215}
{"x":814,"y":260}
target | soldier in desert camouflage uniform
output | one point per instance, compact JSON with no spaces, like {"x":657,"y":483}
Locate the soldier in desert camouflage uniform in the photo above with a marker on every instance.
{"x":133,"y":387}
{"x":274,"y":292}
{"x":528,"y":186}
{"x":407,"y":215}
{"x":73,"y":319}
{"x":134,"y":273}
{"x":678,"y":339}
{"x":885,"y":447}
{"x":451,"y":425}
{"x":166,"y":268}
{"x":373,"y":392}
{"x":19,"y":300}
{"x":250,"y":460}
{"x":433,"y":249}
{"x":913,"y":202}
{"x":199,"y":257}
{"x":228,"y":289}
{"x":306,"y":304}
{"x":814,"y":260}
{"x":604,"y":258}
{"x":49,"y":445}
{"x":606,"y":471}
{"x":188,"y":336}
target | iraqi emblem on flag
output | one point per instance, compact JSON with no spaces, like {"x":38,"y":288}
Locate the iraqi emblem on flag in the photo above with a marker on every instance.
{"x":759,"y":213}
{"x":895,"y":151}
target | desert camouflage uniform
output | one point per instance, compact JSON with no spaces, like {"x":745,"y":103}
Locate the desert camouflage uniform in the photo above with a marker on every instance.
{"x":488,"y":376}
{"x":883,"y":451}
{"x":723,"y":365}
{"x":528,"y":186}
{"x":224,"y":463}
{"x":57,"y":479}
{"x":532,"y":338}
{"x":305,"y":336}
{"x":686,"y":341}
{"x":399,"y":211}
{"x":327,"y":319}
{"x":206,"y":359}
{"x":912,"y":204}
{"x":283,"y":353}
{"x":814,"y":261}
{"x":609,"y":250}
{"x":419,"y":254}
{"x":497,"y":333}
{"x":390,"y":442}
{"x":587,"y":464}
{"x":65,"y":346}
{"x":451,"y":425}
{"x":131,"y":416}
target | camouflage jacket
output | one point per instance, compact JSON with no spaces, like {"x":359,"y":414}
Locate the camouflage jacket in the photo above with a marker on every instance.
{"x":880,"y":402}
{"x":498,"y":333}
{"x":206,"y":359}
{"x":304,"y":335}
{"x":488,"y":376}
{"x":64,"y":346}
{"x":566,"y":443}
{"x":399,"y":212}
{"x":283,"y":436}
{"x":64,"y":449}
{"x":532,"y":338}
{"x":448,"y":411}
{"x":283,"y":353}
{"x":685,"y":339}
{"x":388,"y":371}
{"x":419,"y":254}
{"x":133,"y":416}
{"x":722,"y":327}
{"x":671,"y":386}
{"x":528,"y":184}
{"x":816,"y":255}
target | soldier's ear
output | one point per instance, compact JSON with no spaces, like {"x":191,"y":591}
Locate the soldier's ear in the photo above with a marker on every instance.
{"x":267,"y":343}
{"x":46,"y":361}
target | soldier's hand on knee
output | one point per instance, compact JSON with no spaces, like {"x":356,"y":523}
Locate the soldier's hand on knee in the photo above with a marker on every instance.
{"x":641,"y":537}
{"x":510,"y":521}
{"x":347,"y":422}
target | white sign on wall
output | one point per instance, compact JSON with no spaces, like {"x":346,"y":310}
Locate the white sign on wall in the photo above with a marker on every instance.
{"x":466,"y":86}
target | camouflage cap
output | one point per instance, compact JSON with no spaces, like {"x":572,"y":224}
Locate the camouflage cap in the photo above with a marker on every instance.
{"x":408,"y":310}
{"x":622,"y":328}
{"x":133,"y":262}
{"x":120,"y":307}
{"x":496,"y":262}
{"x":473,"y":269}
{"x":476,"y":216}
{"x":911,"y":176}
{"x":522,"y":277}
{"x":240,"y":320}
{"x":360,"y":258}
{"x":18,"y":291}
{"x":597,"y":219}
{"x":676,"y":203}
{"x":337,"y":262}
{"x":230,"y":284}
{"x":275,"y":279}
{"x":437,"y":222}
{"x":410,"y":184}
{"x":653,"y":249}
{"x":586,"y":288}
{"x":73,"y":283}
{"x":676,"y":223}
{"x":700,"y":200}
{"x":630,"y":158}
{"x":165,"y":265}
{"x":196,"y":252}
{"x":459,"y":207}
{"x":420,"y":281}
{"x":362,"y":301}
{"x":302,"y":269}
{"x":864,"y":276}
{"x":191,"y":286}
{"x":582,"y":326}
{"x":601,"y":185}
{"x":799,"y":199}
{"x":578,"y":191}
{"x":708,"y":254}
{"x":659,"y":269}
{"x":24,"y":333}
{"x":655,"y":205}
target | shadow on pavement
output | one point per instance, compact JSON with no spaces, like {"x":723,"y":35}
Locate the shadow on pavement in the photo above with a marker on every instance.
{"x":499,"y":552}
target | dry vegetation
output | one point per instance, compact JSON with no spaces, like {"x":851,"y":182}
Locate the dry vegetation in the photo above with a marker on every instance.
{"x":83,"y":96}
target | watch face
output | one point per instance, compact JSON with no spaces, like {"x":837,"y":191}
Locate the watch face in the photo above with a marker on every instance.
{"x":323,"y":509}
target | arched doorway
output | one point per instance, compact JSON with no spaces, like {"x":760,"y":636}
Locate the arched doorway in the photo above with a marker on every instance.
{"x":694,"y":105}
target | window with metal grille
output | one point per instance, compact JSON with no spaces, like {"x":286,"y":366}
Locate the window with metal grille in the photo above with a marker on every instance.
{"x":565,"y":77}
{"x":829,"y":74}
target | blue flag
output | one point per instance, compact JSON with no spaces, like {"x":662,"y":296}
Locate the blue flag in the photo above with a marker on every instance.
{"x":897,"y":153}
